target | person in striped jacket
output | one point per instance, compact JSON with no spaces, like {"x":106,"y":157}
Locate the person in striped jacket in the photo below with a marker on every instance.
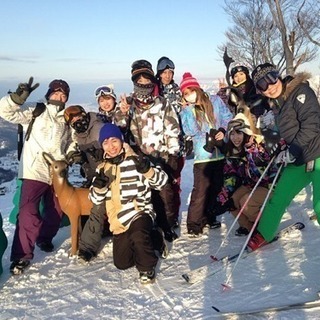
{"x":122,"y":188}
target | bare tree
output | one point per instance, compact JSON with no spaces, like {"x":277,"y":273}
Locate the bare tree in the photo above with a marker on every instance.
{"x":268,"y":30}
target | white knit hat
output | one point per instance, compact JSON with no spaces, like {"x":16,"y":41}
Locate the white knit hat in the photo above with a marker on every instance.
{"x":240,"y":123}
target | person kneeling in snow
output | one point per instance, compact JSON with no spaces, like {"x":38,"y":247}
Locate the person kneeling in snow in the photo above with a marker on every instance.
{"x":122,"y":187}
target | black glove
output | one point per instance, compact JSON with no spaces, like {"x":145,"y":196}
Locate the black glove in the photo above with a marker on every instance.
{"x":188,"y":145}
{"x":76,"y":157}
{"x":211,"y":141}
{"x":280,"y":146}
{"x":142,"y":164}
{"x":23,"y":91}
{"x":97,"y":154}
{"x":101,"y":180}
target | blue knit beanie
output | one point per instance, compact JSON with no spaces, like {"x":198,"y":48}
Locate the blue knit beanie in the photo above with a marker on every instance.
{"x":110,"y":130}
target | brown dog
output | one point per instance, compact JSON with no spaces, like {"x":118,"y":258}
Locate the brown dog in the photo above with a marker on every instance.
{"x":74,"y":202}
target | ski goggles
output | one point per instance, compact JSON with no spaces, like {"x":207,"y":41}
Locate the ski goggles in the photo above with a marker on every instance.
{"x":106,"y":91}
{"x":237,"y":125}
{"x":165,"y":64}
{"x":59,"y":85}
{"x":73,"y":112}
{"x":270,"y":78}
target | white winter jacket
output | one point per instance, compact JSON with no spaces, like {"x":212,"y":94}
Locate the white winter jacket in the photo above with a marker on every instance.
{"x":50,"y":134}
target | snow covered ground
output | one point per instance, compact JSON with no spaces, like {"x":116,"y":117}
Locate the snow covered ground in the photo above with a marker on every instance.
{"x":57,"y":287}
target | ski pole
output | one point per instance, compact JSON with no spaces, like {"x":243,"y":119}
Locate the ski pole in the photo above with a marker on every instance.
{"x":226,"y":285}
{"x":214,"y":257}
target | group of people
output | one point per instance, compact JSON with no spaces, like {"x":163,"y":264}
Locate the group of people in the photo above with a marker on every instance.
{"x":132,"y":152}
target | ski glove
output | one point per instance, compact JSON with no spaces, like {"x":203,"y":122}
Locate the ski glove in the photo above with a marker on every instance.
{"x":97,"y":154}
{"x":211,"y":141}
{"x":266,"y":120}
{"x":23,"y":91}
{"x":103,"y":179}
{"x":142,"y":164}
{"x":76,"y":157}
{"x":285,"y":157}
{"x":188,"y":145}
{"x":278,"y":147}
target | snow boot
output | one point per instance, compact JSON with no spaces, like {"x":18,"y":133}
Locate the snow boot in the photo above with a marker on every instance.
{"x":17,"y":267}
{"x":170,"y":235}
{"x":256,"y":241}
{"x":85,"y":256}
{"x":147,"y":277}
{"x":241,"y":231}
{"x":193,"y":234}
{"x":159,"y":243}
{"x":46,"y":246}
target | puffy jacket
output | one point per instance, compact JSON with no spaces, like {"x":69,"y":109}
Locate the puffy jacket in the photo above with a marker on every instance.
{"x":247,"y":170}
{"x":50,"y":134}
{"x":129,"y":195}
{"x":88,"y":142}
{"x":155,"y":129}
{"x":297,"y":115}
{"x":191,"y":128}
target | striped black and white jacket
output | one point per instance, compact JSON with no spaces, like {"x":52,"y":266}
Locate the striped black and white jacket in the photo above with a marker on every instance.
{"x":129,"y":195}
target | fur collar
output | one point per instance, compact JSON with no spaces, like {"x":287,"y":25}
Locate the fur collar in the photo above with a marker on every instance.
{"x":291,"y":83}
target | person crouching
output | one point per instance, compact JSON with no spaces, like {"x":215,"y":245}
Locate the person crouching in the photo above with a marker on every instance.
{"x":124,"y":182}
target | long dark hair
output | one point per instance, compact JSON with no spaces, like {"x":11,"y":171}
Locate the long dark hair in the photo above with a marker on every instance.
{"x":230,"y":150}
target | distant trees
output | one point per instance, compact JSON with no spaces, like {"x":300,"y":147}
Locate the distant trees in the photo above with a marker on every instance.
{"x":283,"y":32}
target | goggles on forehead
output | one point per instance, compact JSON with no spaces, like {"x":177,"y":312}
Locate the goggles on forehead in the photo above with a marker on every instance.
{"x":72,"y":112}
{"x":270,"y":78}
{"x":103,"y":90}
{"x":237,"y":125}
{"x":59,"y":85}
{"x":165,"y":64}
{"x":138,"y":64}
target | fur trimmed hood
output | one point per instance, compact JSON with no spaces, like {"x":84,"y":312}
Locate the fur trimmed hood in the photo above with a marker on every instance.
{"x":291,"y":83}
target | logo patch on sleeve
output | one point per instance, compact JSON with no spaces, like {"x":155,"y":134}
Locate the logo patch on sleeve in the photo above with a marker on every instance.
{"x":301,"y":98}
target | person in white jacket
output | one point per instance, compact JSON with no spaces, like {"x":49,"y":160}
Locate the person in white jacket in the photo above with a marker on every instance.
{"x":50,"y":134}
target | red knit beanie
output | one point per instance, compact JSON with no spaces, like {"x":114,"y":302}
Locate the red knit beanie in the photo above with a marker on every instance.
{"x":188,"y":81}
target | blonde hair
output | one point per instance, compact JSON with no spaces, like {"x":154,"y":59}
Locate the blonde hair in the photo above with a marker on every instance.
{"x":203,"y":108}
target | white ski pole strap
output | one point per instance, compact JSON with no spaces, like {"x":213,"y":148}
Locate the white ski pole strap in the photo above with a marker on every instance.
{"x":254,"y":225}
{"x":245,"y":204}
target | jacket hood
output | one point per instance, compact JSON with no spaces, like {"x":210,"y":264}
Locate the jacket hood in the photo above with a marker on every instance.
{"x":291,"y":83}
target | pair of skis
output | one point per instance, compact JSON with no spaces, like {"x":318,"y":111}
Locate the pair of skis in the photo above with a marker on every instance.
{"x":214,"y":267}
{"x":313,"y":303}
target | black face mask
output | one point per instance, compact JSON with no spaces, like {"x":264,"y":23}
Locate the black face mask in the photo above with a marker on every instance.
{"x":117,"y":159}
{"x":81,"y":125}
{"x":60,"y":104}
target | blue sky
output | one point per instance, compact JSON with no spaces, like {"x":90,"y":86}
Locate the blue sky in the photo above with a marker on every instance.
{"x":94,"y":42}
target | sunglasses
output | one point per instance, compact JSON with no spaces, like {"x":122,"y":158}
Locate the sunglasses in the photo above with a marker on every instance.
{"x":270,"y":78}
{"x":72,"y":112}
{"x":165,"y":64}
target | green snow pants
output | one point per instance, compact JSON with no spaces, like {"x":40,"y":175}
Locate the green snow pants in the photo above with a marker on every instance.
{"x":292,"y":180}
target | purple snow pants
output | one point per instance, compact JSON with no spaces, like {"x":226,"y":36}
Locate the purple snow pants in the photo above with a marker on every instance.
{"x":31,"y":226}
